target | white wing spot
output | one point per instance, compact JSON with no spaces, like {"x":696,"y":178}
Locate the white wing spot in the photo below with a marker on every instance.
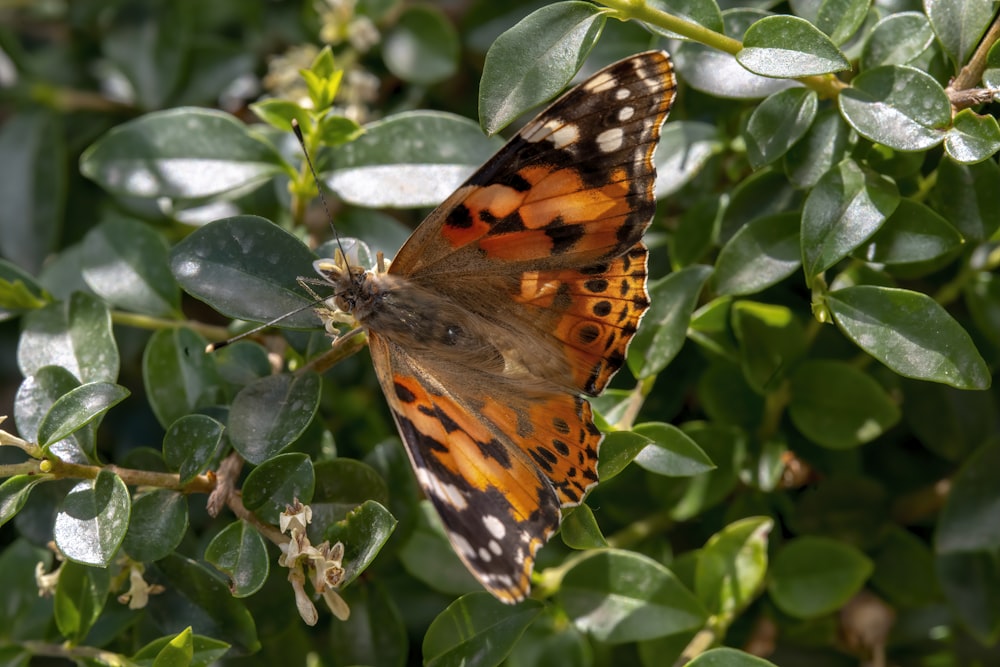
{"x":611,"y":140}
{"x":447,"y":493}
{"x":556,"y":130}
{"x":495,"y":547}
{"x":625,"y":113}
{"x":462,"y":545}
{"x":600,"y":83}
{"x":485,"y":555}
{"x":623,"y":94}
{"x":495,"y":526}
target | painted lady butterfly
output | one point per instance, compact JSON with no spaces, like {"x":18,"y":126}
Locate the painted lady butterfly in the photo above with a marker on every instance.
{"x":513,"y":298}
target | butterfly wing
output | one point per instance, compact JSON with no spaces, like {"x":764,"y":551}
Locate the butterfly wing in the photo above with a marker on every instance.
{"x":515,"y":296}
{"x":491,"y":485}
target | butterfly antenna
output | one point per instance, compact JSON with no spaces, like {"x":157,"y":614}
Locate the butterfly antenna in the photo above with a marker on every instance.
{"x":212,"y":347}
{"x":319,"y":189}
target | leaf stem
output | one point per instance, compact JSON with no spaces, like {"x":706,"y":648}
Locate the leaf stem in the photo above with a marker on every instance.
{"x":209,"y":331}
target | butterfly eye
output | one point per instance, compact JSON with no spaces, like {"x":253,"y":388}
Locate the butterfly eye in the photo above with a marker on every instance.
{"x":451,"y":334}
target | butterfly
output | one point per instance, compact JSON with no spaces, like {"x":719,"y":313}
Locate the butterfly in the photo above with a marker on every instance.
{"x":513,"y":300}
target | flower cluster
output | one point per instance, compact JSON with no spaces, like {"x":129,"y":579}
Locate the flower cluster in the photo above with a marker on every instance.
{"x":324,"y":563}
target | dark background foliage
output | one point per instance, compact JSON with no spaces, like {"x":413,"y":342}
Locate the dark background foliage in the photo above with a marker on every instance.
{"x":800,"y":464}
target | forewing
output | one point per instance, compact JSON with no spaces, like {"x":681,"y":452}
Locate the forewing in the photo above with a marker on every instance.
{"x":573,"y":188}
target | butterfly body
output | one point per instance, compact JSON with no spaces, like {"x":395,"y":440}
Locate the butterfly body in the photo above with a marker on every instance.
{"x":512,"y":300}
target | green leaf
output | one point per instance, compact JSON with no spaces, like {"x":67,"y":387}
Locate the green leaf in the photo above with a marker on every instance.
{"x":190,"y":443}
{"x":178,"y":652}
{"x":703,"y":12}
{"x":949,"y":422}
{"x":75,"y":334}
{"x":35,"y":397}
{"x":620,"y":596}
{"x":618,"y":449}
{"x":376,"y":633}
{"x":972,"y":138}
{"x":910,"y":333}
{"x":277,"y":483}
{"x":770,"y":340}
{"x":205,"y":650}
{"x":820,"y":149}
{"x":183,"y":153}
{"x":247,"y":268}
{"x":382,"y":166}
{"x":363,"y":532}
{"x":279,"y":113}
{"x":837,"y":406}
{"x":79,"y":599}
{"x":191,"y":590}
{"x":92,"y":519}
{"x":14,"y":494}
{"x":840,"y":19}
{"x":789,"y":47}
{"x":271,"y":413}
{"x":579,"y":529}
{"x":904,"y":570}
{"x":77,"y":408}
{"x":422,"y":47}
{"x":239,"y":552}
{"x":912,"y":234}
{"x":427,"y":556}
{"x":178,"y":375}
{"x":32,"y":184}
{"x":897,"y":39}
{"x":901,"y":107}
{"x":812,"y":576}
{"x":846,"y":207}
{"x":959,"y":24}
{"x":19,"y":292}
{"x":760,"y":254}
{"x":125,"y":263}
{"x":663,"y":328}
{"x":684,"y":149}
{"x":982,"y":298}
{"x":966,"y":522}
{"x":728,"y":398}
{"x":732,"y":565}
{"x":534,"y":60}
{"x":337,"y":130}
{"x":726,"y":447}
{"x":777,"y":123}
{"x":967,"y":196}
{"x":766,"y":192}
{"x":341,"y":485}
{"x":670,"y":451}
{"x":476,"y":629}
{"x":157,"y":525}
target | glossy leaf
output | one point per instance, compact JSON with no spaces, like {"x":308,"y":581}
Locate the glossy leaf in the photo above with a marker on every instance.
{"x":343,"y":484}
{"x":618,"y":449}
{"x":533,"y":61}
{"x":35,"y":397}
{"x":125,"y":262}
{"x":959,"y":24}
{"x":770,"y":339}
{"x":79,"y":598}
{"x":812,"y":576}
{"x":579,"y":529}
{"x":157,"y":525}
{"x":732,"y":566}
{"x":777,"y":123}
{"x":75,"y":334}
{"x":972,"y":138}
{"x":178,"y":375}
{"x":477,"y":630}
{"x":20,"y":292}
{"x":239,"y":552}
{"x":901,"y":107}
{"x":703,"y":12}
{"x":14,"y":494}
{"x":897,"y":39}
{"x":92,"y":519}
{"x":205,"y":650}
{"x":183,"y":153}
{"x":911,"y":334}
{"x":789,"y":47}
{"x":663,"y":328}
{"x":77,"y":408}
{"x":840,"y":19}
{"x":271,"y":413}
{"x":913,"y":233}
{"x":190,"y":443}
{"x":376,"y":633}
{"x":247,"y":268}
{"x":685,"y":148}
{"x":967,"y":196}
{"x":670,"y":452}
{"x":846,"y":207}
{"x":619,"y":596}
{"x":837,"y":406}
{"x":728,"y":657}
{"x":278,"y":482}
{"x":760,"y":254}
{"x":363,"y":532}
